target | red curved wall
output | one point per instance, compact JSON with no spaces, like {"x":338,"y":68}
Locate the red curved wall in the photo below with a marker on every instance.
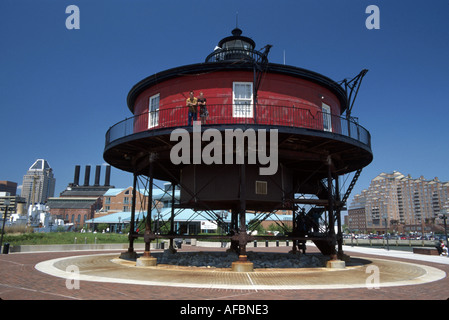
{"x":301,"y":100}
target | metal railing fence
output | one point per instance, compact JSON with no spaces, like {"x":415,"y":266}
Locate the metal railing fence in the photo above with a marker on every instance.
{"x":248,"y":114}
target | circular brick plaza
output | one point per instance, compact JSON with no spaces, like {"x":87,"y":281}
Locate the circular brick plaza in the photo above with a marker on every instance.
{"x":101,"y":275}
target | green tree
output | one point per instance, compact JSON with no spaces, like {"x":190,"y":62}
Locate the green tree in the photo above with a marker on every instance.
{"x":102,"y":227}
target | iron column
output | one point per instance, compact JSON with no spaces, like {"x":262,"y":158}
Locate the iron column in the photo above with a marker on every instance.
{"x":331,"y":207}
{"x":148,"y":236}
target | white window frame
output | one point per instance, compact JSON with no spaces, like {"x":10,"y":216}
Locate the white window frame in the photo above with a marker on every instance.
{"x":327,"y":117}
{"x":242,"y":107}
{"x":153,"y":111}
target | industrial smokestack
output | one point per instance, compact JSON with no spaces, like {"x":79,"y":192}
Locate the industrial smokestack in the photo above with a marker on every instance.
{"x":97,"y":176}
{"x":87,"y":176}
{"x":107,"y":178}
{"x":76,"y":179}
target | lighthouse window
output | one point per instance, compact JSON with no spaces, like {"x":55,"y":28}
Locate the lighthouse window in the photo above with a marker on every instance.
{"x":242,"y":96}
{"x":153,"y":111}
{"x":327,"y":124}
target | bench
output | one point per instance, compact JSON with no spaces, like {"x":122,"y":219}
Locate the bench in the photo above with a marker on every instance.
{"x":426,"y":250}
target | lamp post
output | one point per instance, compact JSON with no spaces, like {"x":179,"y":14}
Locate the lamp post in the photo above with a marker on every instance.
{"x":119,"y":225}
{"x":6,"y":203}
{"x":443,"y":215}
{"x":350,"y":231}
{"x":386,"y":230}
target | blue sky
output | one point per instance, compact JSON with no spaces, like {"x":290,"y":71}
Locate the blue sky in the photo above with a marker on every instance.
{"x":60,"y":89}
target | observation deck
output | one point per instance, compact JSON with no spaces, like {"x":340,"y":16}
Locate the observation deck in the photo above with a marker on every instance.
{"x":300,"y":131}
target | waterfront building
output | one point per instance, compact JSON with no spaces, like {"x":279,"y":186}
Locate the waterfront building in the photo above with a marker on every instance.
{"x":401,"y":203}
{"x":356,"y":218}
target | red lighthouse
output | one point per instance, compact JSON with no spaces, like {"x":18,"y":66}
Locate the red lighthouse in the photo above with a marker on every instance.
{"x":273,"y":137}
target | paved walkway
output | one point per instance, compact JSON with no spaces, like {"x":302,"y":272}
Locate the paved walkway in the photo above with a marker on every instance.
{"x":19,"y":279}
{"x":397,"y":254}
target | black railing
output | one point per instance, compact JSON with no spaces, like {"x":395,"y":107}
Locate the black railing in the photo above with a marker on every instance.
{"x":234,"y":54}
{"x":231,"y":114}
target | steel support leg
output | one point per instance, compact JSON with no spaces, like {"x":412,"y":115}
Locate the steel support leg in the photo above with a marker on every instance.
{"x":242,"y":229}
{"x":147,"y":260}
{"x":242,"y":265}
{"x":294,"y":229}
{"x":234,"y":230}
{"x":172,"y":217}
{"x":331,"y":208}
{"x":338,"y":214}
{"x":131,"y":254}
{"x":133,"y":215}
{"x":149,"y":235}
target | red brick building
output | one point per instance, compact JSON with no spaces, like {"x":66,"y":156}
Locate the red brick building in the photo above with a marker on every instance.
{"x":74,"y":210}
{"x":78,"y":203}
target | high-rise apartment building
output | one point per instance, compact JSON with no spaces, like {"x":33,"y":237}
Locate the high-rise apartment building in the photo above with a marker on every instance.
{"x":40,"y":179}
{"x":396,"y":202}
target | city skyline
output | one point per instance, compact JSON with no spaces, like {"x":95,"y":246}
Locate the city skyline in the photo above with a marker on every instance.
{"x":76,"y":81}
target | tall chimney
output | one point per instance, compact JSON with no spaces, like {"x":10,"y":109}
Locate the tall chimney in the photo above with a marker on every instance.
{"x":97,"y":176}
{"x":87,"y":176}
{"x":107,"y":178}
{"x":76,"y":179}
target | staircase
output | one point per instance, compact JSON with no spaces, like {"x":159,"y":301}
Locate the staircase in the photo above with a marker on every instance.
{"x":326,"y":245}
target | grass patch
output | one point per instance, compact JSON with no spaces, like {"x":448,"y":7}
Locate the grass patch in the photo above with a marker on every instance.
{"x":63,"y":238}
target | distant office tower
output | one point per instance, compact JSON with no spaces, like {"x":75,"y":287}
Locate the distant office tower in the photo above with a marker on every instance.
{"x":40,"y":179}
